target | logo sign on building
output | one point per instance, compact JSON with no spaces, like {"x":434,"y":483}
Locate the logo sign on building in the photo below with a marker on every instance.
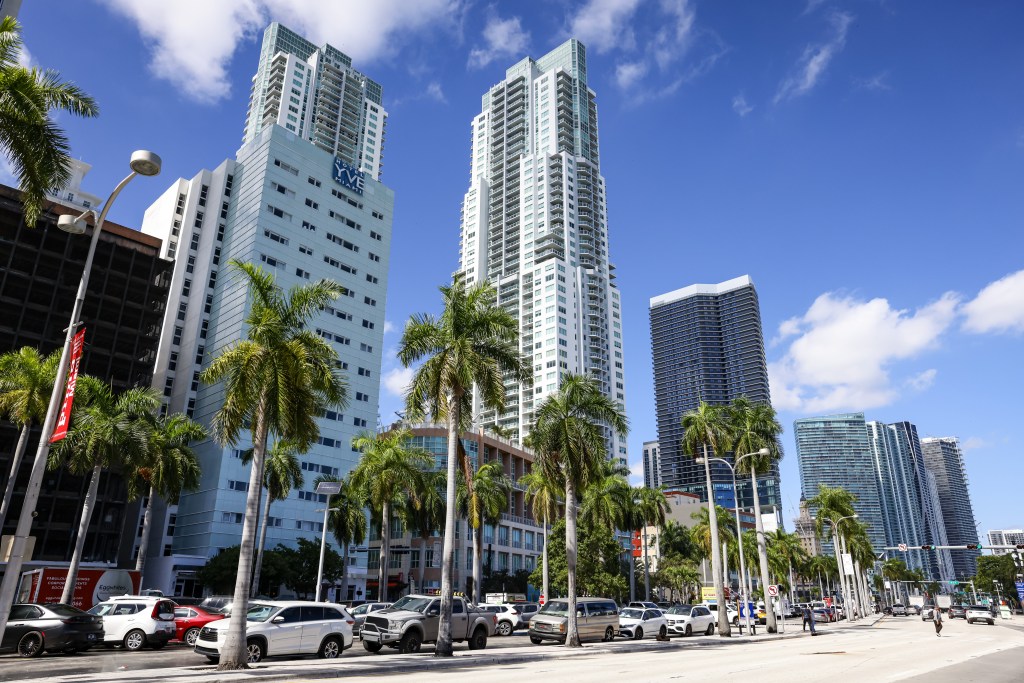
{"x":1020,"y":589}
{"x":347,"y":176}
{"x":61,"y":430}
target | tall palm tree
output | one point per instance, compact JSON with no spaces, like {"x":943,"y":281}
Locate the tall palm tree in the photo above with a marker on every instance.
{"x":789,"y":548}
{"x":755,"y":430}
{"x":473,"y":344}
{"x":169,"y":467}
{"x":649,"y":508}
{"x":863,"y":555}
{"x":607,"y":499}
{"x":706,"y":430}
{"x":346,"y":521}
{"x":481,"y":501}
{"x":388,"y":473}
{"x":110,"y":430}
{"x":36,"y":146}
{"x":280,"y":377}
{"x":426,"y":515}
{"x":26,"y":382}
{"x":570,"y":440}
{"x":545,"y":502}
{"x":282,"y":472}
{"x":832,"y":505}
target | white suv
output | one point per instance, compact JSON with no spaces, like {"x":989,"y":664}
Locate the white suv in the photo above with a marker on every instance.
{"x":136,"y":620}
{"x":276,"y":628}
{"x":508,"y":616}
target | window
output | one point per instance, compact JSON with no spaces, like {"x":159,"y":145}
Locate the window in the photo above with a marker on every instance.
{"x":375,"y":235}
{"x":279,"y":212}
{"x":359,"y":421}
{"x":363,"y":372}
{"x":365,"y":347}
{"x":378,"y":215}
{"x":176,"y":339}
{"x":310,"y":203}
{"x":342,"y":219}
{"x":371,"y":279}
{"x":231,"y":517}
{"x":374,"y":257}
{"x":339,"y":265}
{"x":360,"y":396}
{"x":280,"y":239}
{"x":186,"y":287}
{"x":313,"y":181}
{"x":272,"y":262}
{"x":370,"y":302}
{"x":309,"y":226}
{"x":304,"y":274}
{"x":303,"y":249}
{"x":182,"y":309}
{"x":238,"y":485}
{"x":343,"y":243}
{"x":367,"y":324}
{"x":282,"y":189}
{"x":285,"y":167}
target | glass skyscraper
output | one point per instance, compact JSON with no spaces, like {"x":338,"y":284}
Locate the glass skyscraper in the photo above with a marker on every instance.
{"x":945,"y":460}
{"x":707,"y":345}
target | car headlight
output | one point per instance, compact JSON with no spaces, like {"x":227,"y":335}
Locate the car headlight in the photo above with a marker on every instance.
{"x":394,"y":625}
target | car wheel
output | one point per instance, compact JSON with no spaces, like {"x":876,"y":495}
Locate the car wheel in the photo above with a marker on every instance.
{"x":410,"y":644}
{"x":662,"y":633}
{"x":478,"y":641}
{"x":191,"y":636}
{"x":710,"y":631}
{"x":331,"y":649}
{"x":372,"y":647}
{"x":688,"y":631}
{"x":31,"y":644}
{"x":504,"y":628}
{"x":537,"y":641}
{"x":254,"y":650}
{"x":638,"y":633}
{"x":609,"y":634}
{"x":134,"y":640}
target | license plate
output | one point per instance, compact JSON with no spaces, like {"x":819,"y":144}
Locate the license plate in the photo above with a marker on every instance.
{"x":91,"y":636}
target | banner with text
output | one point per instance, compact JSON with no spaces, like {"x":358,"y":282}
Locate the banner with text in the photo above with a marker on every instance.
{"x":61,"y":430}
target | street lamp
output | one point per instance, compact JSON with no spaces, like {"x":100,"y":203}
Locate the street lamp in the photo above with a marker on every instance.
{"x":839,"y":545}
{"x":144,"y":163}
{"x":329,"y":488}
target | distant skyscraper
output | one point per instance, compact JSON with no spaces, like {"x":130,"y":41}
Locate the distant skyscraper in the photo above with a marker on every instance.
{"x":1005,"y":537}
{"x":707,"y":345}
{"x":835,"y":451}
{"x":805,"y":529}
{"x":652,"y":461}
{"x":301,"y":211}
{"x":535,"y":225}
{"x":945,"y":460}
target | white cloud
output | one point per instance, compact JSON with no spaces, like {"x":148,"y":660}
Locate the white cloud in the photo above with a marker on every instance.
{"x":503,"y":38}
{"x":434,"y":92}
{"x":974,"y":443}
{"x":629,"y":73}
{"x":396,"y":381}
{"x":636,"y":472}
{"x":740,"y":106}
{"x":844,"y":350}
{"x":877,"y":83}
{"x":192,"y":41}
{"x":999,"y":307}
{"x":922,"y":380}
{"x":389,"y":327}
{"x":602,"y":25}
{"x":815,"y":59}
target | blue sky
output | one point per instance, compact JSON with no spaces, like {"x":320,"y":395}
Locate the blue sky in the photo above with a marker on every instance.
{"x":862,"y":161}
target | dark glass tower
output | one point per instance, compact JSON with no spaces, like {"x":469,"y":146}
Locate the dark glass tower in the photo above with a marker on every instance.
{"x":707,"y":344}
{"x":944,"y":459}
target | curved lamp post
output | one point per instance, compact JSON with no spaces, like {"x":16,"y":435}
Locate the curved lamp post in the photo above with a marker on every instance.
{"x":840,"y":550}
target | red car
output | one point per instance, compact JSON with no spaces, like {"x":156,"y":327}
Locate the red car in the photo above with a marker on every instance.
{"x":188,"y":619}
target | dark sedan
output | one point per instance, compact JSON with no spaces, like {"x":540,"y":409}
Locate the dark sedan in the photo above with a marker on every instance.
{"x":32,"y":628}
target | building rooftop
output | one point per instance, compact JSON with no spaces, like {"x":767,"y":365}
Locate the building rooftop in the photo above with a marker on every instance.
{"x":697,"y":290}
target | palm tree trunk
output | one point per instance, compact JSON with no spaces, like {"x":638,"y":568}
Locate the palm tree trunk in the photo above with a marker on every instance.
{"x":343,"y":591}
{"x":254,"y":580}
{"x":478,"y":564}
{"x":147,"y":521}
{"x":762,"y":556}
{"x":423,"y":563}
{"x":544,"y":558}
{"x":716,"y":553}
{"x":647,"y":567}
{"x":572,"y":636}
{"x":258,"y":569}
{"x":385,"y":552}
{"x":83,"y":529}
{"x":233,"y":652}
{"x":19,"y":452}
{"x":443,"y":648}
{"x":839,"y":564}
{"x":821,"y":587}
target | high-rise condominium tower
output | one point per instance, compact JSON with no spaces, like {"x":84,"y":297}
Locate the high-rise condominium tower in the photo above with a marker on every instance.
{"x":652,"y":464}
{"x":707,"y":345}
{"x":534,"y":224}
{"x":945,"y":460}
{"x":302,"y":203}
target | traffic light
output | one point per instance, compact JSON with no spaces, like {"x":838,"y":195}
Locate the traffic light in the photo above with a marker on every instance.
{"x":927,"y":547}
{"x":974,"y":546}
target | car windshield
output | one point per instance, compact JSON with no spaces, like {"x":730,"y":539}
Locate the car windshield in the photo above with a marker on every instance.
{"x":558,"y":608}
{"x":411,"y":603}
{"x":630,"y":613}
{"x":102,"y":609}
{"x":259,"y":613}
{"x":680,"y":609}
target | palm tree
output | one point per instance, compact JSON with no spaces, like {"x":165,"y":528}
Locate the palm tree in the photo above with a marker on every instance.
{"x":26,"y":382}
{"x":110,"y":430}
{"x":792,"y":552}
{"x":388,"y":473}
{"x":346,"y":521}
{"x":570,"y":440}
{"x":706,"y":428}
{"x":282,"y":472}
{"x":832,"y":505}
{"x":607,"y":499}
{"x":280,"y":378}
{"x":755,"y":431}
{"x":473,"y":344}
{"x":894,"y":571}
{"x":169,"y":467}
{"x":674,"y":538}
{"x":29,"y":137}
{"x":481,"y":501}
{"x":649,"y":507}
{"x":426,"y":515}
{"x":545,"y":501}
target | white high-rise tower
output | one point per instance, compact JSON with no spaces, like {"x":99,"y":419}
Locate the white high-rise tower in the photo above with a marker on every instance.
{"x":534,"y":224}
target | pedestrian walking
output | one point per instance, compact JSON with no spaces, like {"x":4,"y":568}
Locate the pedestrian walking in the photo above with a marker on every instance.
{"x":937,"y":618}
{"x":809,"y":620}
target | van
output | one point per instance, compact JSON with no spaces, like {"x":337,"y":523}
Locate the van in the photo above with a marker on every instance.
{"x":596,"y":619}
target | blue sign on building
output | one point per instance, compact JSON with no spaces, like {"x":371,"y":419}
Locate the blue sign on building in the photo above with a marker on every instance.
{"x":347,"y":176}
{"x":1020,"y":590}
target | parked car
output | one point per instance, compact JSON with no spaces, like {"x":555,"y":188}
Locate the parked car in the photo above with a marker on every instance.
{"x":277,"y":628}
{"x":509,"y":618}
{"x":927,"y":612}
{"x":33,"y":629}
{"x":979,"y":613}
{"x":685,"y":620}
{"x":734,"y":616}
{"x":636,"y":622}
{"x":359,"y":613}
{"x":526,"y":611}
{"x":217,"y":603}
{"x":135,"y":621}
{"x":596,"y":619}
{"x":189,"y":619}
{"x":899,"y":610}
{"x":823,"y":615}
{"x":415,"y":619}
{"x":643,"y":605}
{"x":957,"y":612}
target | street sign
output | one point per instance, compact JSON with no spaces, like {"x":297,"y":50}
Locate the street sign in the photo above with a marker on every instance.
{"x":1020,"y":590}
{"x":902,"y":547}
{"x":773,"y":591}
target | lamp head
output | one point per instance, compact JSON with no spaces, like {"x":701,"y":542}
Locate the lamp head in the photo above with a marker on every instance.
{"x":71,"y":224}
{"x":764,"y":452}
{"x":145,"y":162}
{"x":329,"y":487}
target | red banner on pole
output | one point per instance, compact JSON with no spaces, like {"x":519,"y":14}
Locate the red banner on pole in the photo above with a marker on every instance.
{"x":61,"y":430}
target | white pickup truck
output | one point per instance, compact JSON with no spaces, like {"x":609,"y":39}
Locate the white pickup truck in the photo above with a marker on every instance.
{"x":415,"y":619}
